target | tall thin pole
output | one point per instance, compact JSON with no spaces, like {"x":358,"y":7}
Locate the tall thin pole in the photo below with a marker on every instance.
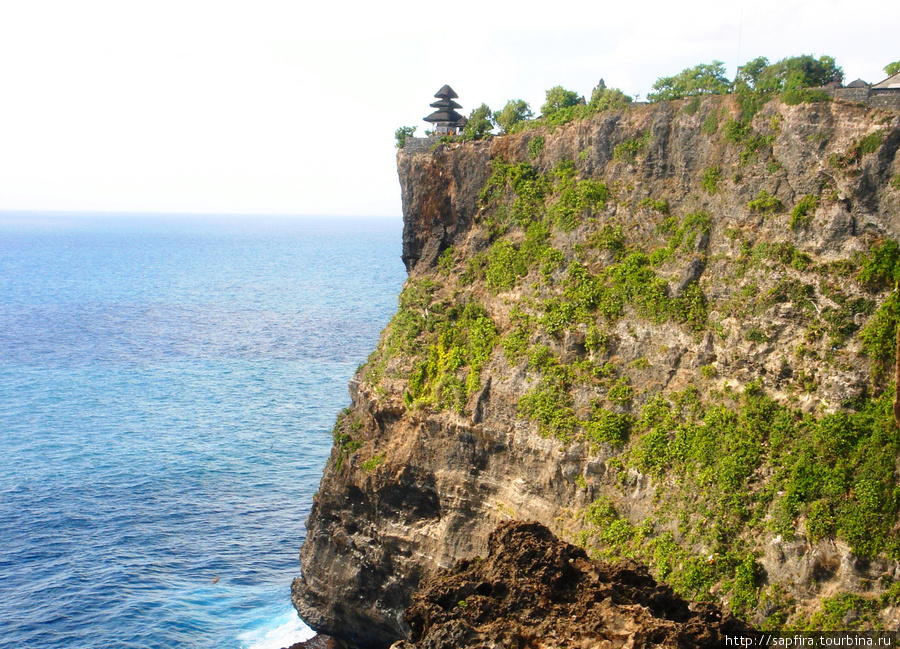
{"x":740,"y":33}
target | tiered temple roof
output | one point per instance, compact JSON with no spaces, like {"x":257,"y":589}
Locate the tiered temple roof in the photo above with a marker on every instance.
{"x":445,"y":118}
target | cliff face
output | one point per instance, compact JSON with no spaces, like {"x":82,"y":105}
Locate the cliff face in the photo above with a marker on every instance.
{"x":662,"y":332}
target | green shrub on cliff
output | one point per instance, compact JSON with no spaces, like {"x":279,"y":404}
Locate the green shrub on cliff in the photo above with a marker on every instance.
{"x":736,"y":131}
{"x":518,"y":189}
{"x":575,"y":199}
{"x":463,"y":338}
{"x":505,"y":263}
{"x":610,"y":237}
{"x":712,"y":176}
{"x":519,"y":194}
{"x":711,"y":123}
{"x":765,"y":202}
{"x":372,"y":463}
{"x":803,"y":210}
{"x":606,"y":426}
{"x":516,"y":340}
{"x":881,"y":267}
{"x":870,"y":143}
{"x":550,"y":404}
{"x":660,"y":206}
{"x":683,"y":235}
{"x":535,"y":146}
{"x":740,"y":132}
{"x":402,"y":133}
{"x":629,"y":282}
{"x":344,"y":427}
{"x":629,"y":150}
{"x":412,"y":317}
{"x":878,"y":337}
{"x":505,"y":266}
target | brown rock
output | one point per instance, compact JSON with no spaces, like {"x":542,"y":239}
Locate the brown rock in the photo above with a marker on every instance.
{"x":533,"y":590}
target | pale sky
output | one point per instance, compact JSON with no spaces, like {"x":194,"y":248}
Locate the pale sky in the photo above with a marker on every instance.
{"x":291,"y":107}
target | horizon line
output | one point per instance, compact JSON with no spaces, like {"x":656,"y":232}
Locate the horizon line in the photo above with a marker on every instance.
{"x":110,"y":212}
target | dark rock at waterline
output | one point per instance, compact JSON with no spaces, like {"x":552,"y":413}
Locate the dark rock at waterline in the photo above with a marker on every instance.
{"x":319,"y":642}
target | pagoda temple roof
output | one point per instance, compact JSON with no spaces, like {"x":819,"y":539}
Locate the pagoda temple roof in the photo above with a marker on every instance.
{"x":446,"y":91}
{"x":445,"y":103}
{"x":450,"y":116}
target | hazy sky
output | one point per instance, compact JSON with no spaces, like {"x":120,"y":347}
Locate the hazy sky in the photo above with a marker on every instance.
{"x":291,"y":107}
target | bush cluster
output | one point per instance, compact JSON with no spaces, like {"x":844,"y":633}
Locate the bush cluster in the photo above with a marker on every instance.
{"x":836,"y":471}
{"x":462,"y":338}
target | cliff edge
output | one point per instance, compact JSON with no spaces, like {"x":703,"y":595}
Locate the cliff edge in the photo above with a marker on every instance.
{"x":664,"y":332}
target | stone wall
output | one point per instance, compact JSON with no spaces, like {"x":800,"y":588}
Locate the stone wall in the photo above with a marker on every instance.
{"x":888,"y":99}
{"x":856,"y":95}
{"x":418,"y":145}
{"x":874,"y":97}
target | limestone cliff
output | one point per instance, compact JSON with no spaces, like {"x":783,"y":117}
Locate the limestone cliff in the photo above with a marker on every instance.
{"x":665,"y":333}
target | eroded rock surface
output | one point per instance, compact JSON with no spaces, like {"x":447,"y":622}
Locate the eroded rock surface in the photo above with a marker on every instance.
{"x":532,"y":590}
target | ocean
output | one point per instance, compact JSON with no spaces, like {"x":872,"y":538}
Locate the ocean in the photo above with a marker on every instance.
{"x":168,"y":386}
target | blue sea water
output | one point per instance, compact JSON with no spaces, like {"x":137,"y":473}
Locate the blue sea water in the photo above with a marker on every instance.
{"x":167,"y":390}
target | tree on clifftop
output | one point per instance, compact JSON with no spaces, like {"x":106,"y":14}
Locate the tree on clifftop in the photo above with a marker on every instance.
{"x":796,"y":72}
{"x":703,"y":79}
{"x":559,"y":98}
{"x":603,"y":98}
{"x":402,"y":133}
{"x":515,"y":111}
{"x":749,"y":75}
{"x":480,"y":123}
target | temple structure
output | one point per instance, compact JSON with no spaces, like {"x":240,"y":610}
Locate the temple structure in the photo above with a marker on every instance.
{"x":884,"y":94}
{"x":891,"y":83}
{"x":445,"y":119}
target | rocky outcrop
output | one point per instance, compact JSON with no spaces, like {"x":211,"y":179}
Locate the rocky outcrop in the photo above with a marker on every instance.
{"x":441,"y":195}
{"x":319,"y":642}
{"x":532,"y":590}
{"x":581,"y":311}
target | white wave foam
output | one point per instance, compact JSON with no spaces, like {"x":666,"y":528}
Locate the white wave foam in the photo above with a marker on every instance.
{"x":287,"y":630}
